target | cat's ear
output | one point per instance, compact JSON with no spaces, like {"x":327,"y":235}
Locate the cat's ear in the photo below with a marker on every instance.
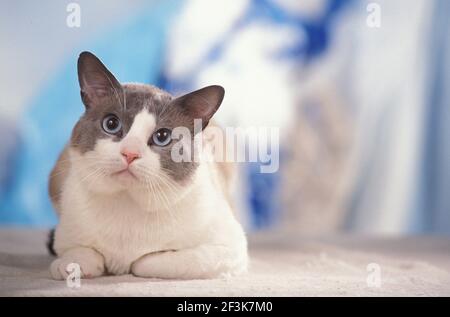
{"x":202,"y":103}
{"x":96,"y":81}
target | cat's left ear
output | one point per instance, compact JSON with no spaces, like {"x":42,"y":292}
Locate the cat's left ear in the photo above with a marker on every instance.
{"x":96,"y":81}
{"x":202,"y":103}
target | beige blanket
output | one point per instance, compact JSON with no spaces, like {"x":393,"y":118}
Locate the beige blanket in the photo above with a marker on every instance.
{"x":280,"y":266}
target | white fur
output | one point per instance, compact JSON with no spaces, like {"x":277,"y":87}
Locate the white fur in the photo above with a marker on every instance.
{"x":115,"y":224}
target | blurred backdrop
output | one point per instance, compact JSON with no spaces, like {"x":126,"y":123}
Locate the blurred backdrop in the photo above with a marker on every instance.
{"x":357,"y":88}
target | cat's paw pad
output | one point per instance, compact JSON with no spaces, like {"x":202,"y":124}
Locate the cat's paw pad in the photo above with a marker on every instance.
{"x":89,"y":267}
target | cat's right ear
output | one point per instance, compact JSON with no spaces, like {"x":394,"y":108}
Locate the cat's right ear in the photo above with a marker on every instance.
{"x":96,"y":81}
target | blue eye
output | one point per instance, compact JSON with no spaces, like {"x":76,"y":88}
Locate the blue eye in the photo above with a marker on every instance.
{"x":162,"y":137}
{"x":111,"y":124}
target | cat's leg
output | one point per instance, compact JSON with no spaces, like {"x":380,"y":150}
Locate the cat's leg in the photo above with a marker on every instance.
{"x":206,"y":261}
{"x":91,"y":263}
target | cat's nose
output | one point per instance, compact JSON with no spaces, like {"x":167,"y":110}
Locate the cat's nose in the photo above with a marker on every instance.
{"x":130,"y":156}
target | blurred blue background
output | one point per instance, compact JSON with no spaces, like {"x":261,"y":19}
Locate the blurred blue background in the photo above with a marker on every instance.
{"x":363,"y":111}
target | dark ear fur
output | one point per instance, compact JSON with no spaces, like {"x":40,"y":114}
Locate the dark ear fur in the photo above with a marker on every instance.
{"x":202,"y":103}
{"x":96,"y":81}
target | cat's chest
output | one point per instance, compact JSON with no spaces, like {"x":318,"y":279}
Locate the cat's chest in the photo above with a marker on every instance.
{"x":122,"y":231}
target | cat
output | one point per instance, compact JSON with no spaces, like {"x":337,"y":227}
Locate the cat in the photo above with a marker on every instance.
{"x":124,"y":205}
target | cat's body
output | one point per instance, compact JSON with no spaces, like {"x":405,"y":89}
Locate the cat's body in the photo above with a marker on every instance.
{"x":124,"y":205}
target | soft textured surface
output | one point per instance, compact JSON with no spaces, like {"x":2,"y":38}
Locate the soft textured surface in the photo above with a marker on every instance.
{"x":280,"y":266}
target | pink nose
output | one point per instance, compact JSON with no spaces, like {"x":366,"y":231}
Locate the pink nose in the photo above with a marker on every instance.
{"x":130,"y":156}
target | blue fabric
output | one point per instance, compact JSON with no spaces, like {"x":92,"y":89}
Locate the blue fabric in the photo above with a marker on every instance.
{"x":435,"y":191}
{"x":264,"y":193}
{"x":318,"y":33}
{"x":426,"y":202}
{"x":263,"y":198}
{"x":134,"y":51}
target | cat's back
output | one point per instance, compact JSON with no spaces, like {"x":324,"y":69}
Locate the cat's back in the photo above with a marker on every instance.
{"x":57,"y":178}
{"x":225,"y":172}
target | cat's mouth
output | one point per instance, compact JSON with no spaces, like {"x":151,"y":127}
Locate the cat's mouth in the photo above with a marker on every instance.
{"x":126,"y":172}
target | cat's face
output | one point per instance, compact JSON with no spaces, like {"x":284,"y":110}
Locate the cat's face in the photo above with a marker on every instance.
{"x":123,"y":141}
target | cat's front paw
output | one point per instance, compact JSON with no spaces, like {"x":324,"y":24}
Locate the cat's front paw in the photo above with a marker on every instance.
{"x":90,"y":262}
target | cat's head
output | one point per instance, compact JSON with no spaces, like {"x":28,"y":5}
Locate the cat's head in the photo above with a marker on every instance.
{"x":123,"y":139}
